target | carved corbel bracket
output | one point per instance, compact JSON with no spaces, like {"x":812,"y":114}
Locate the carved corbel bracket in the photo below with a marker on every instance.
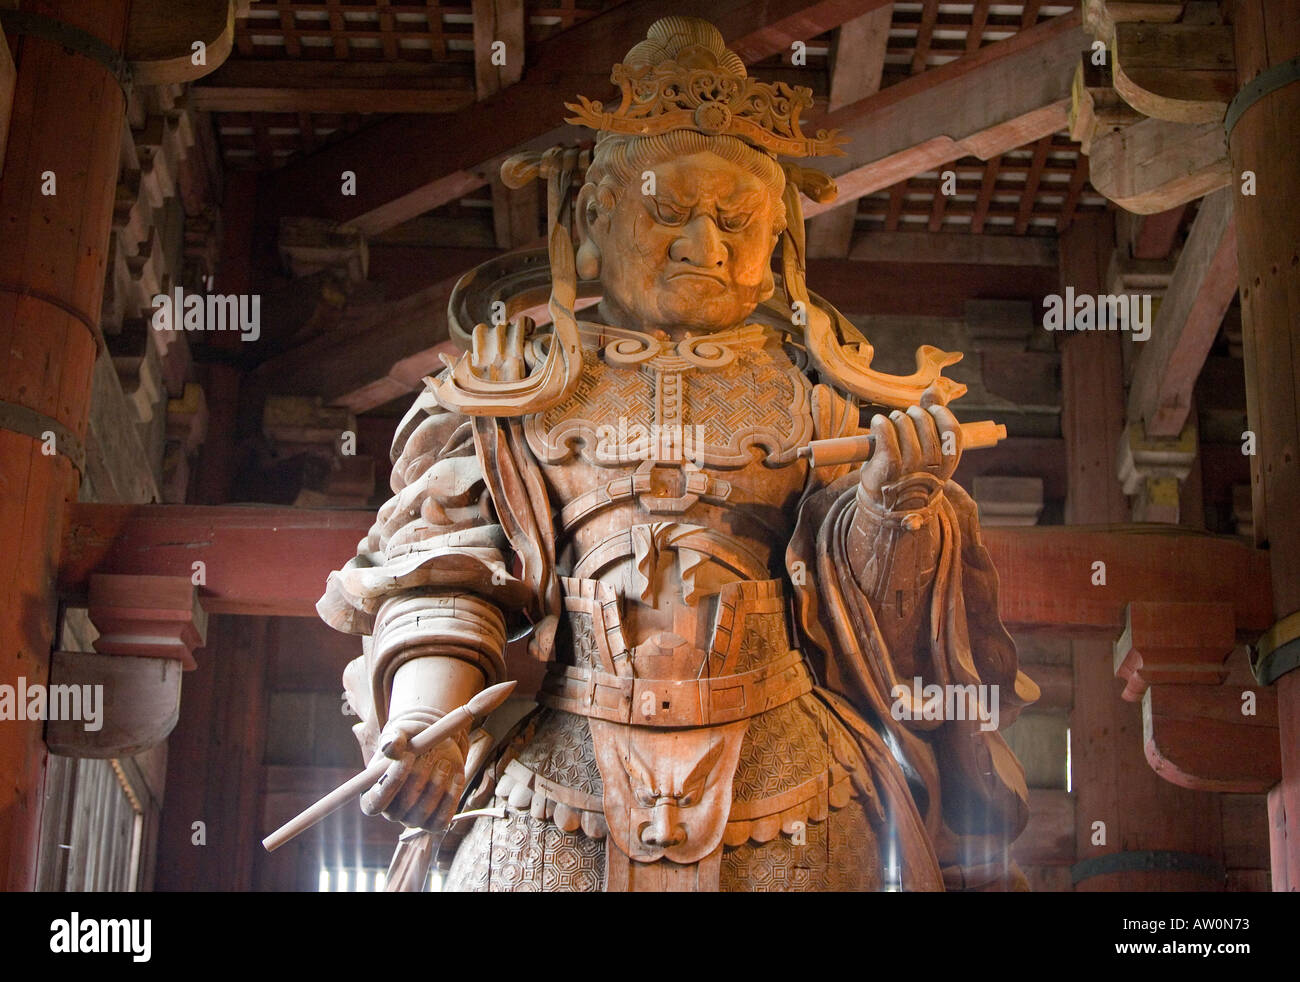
{"x":1151,"y":118}
{"x":1185,"y":73}
{"x":127,"y":691}
{"x":1206,"y":725}
{"x":1214,"y":738}
{"x":1185,"y":643}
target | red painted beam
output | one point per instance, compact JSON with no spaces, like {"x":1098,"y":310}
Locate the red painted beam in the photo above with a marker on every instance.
{"x":256,"y":560}
{"x":275,"y":560}
{"x":1047,"y":576}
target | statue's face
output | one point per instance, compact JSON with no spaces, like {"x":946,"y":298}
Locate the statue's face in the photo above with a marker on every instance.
{"x":695,"y":254}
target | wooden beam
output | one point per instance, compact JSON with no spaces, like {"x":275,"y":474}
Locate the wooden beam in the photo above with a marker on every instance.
{"x":1155,"y":165}
{"x":381,"y":353}
{"x":856,"y":287}
{"x":1140,"y":565}
{"x":859,"y":60}
{"x":978,"y":18}
{"x":1032,"y":179}
{"x":160,"y":36}
{"x":1185,"y":326}
{"x":924,"y":35}
{"x":407,"y":165}
{"x":275,"y":560}
{"x":1197,"y":737}
{"x":1182,"y":643}
{"x":1181,"y":72}
{"x":983,"y":250}
{"x":284,"y":85}
{"x":779,"y":23}
{"x":945,"y":113}
{"x":498,"y":44}
{"x":1157,"y":234}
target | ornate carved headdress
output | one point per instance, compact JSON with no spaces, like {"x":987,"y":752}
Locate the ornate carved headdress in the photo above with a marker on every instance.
{"x":682,"y":77}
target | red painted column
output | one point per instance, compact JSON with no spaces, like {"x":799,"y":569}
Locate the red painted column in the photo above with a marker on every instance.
{"x":67,"y":122}
{"x":1263,"y":142}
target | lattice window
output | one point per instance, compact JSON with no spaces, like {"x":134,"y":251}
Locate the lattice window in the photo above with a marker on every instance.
{"x":93,"y":830}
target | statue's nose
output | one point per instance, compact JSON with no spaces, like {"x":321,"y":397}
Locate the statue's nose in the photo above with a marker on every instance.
{"x":700,"y":244}
{"x":663,"y":831}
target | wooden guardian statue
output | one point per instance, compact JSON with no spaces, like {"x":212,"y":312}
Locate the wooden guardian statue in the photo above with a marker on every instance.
{"x":737,"y":617}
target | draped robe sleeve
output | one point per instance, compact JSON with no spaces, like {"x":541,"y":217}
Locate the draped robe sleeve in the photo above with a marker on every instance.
{"x":968,"y":786}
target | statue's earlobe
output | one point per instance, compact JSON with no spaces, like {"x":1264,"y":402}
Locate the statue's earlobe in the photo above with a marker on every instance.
{"x":588,"y":259}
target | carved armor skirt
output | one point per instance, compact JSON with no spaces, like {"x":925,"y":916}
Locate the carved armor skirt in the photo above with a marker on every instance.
{"x":739,"y":777}
{"x":773,"y":842}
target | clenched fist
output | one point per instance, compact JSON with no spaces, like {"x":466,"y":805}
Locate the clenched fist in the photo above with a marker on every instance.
{"x":418,"y":792}
{"x":915,"y":453}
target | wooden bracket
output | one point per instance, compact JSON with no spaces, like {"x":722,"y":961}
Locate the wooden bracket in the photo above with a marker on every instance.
{"x":148,"y":629}
{"x":147,"y":616}
{"x":1214,"y":738}
{"x":1179,"y":643}
{"x":1206,"y":725}
{"x":1184,"y":73}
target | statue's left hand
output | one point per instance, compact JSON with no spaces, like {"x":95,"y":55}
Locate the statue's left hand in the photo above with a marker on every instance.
{"x":910,"y":449}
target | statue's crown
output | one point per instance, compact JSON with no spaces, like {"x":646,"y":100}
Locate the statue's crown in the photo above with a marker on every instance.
{"x":683,"y":77}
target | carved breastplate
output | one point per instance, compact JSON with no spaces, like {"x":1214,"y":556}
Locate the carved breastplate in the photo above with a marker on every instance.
{"x":686,"y":448}
{"x":705,"y":400}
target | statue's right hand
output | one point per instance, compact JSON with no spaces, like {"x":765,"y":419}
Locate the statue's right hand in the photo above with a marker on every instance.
{"x":417,"y":791}
{"x":497,"y":350}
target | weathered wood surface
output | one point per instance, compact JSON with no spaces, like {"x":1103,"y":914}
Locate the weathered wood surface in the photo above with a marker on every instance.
{"x":1185,"y":326}
{"x":1179,"y":72}
{"x":161,"y":33}
{"x":1267,"y":33}
{"x":943,"y":114}
{"x":1155,"y":165}
{"x":52,"y":261}
{"x":8,"y":78}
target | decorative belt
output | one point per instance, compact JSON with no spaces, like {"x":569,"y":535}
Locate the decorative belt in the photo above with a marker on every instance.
{"x":665,"y":703}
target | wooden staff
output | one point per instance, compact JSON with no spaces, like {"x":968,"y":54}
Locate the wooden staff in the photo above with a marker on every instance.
{"x":854,"y":449}
{"x":451,"y":724}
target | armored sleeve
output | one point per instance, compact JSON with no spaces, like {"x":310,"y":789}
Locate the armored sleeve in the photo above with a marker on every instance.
{"x":433,"y":575}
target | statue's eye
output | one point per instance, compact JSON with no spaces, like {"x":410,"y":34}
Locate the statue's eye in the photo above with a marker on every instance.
{"x":668,"y":215}
{"x":734,"y":222}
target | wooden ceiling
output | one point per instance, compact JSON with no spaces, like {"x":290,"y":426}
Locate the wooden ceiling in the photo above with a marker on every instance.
{"x":1034,"y":190}
{"x":305,"y":75}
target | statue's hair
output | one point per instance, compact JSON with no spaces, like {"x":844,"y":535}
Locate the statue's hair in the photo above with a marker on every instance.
{"x":618,"y":160}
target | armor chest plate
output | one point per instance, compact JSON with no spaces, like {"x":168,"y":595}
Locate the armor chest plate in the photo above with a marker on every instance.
{"x":708,"y":401}
{"x":699,"y":433}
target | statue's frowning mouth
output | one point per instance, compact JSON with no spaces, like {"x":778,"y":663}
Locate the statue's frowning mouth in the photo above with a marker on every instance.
{"x":697,"y":273}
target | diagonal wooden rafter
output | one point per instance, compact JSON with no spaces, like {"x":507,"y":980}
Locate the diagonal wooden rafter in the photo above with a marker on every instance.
{"x":405,"y":166}
{"x":947,"y":113}
{"x":859,"y":62}
{"x":1188,"y":320}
